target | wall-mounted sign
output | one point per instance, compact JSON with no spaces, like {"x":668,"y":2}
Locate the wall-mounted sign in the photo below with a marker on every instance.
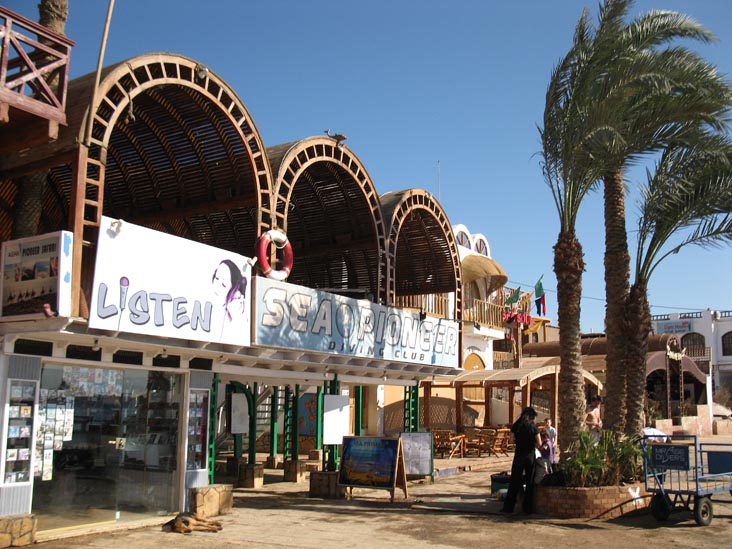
{"x":673,"y":327}
{"x":36,"y":279}
{"x":295,"y":317}
{"x":336,"y":418}
{"x":515,"y":317}
{"x":153,"y":283}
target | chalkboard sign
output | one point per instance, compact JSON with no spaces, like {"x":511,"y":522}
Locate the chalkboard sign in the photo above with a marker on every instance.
{"x":418,"y":457}
{"x":670,"y":456}
{"x":373,"y":462}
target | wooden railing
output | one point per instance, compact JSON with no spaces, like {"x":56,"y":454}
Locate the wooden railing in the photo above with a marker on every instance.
{"x":34,"y":70}
{"x":435,"y":305}
{"x":502,"y":360}
{"x":484,"y":313}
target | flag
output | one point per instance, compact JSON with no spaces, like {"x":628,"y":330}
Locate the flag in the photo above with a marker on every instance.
{"x":540,"y":306}
{"x":514,"y":297}
{"x":539,"y":288}
{"x":540,"y":300}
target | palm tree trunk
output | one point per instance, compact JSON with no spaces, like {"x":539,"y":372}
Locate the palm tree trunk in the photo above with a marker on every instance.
{"x":639,"y":327}
{"x":568,"y":266}
{"x":52,"y":14}
{"x":617,"y":288}
{"x":27,"y":205}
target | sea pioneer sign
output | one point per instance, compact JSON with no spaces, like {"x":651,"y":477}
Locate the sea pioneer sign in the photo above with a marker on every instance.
{"x":295,"y":317}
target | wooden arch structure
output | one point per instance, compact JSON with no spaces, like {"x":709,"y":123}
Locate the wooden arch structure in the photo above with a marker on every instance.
{"x":422,"y":253}
{"x":668,"y":369}
{"x":326,"y":202}
{"x":543,"y":377}
{"x":170,"y":147}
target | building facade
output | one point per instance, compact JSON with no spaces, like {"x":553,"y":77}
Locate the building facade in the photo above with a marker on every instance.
{"x":706,"y":338}
{"x":176,"y":254}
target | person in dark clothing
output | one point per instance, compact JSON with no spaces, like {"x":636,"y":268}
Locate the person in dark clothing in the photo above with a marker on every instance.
{"x":525,"y":434}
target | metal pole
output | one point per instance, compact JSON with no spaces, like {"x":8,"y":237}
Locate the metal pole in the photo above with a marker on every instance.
{"x":100,"y":61}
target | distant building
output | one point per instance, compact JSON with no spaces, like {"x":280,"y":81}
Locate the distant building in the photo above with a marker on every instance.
{"x":705,"y":337}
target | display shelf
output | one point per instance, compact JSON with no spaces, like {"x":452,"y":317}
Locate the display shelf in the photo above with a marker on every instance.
{"x":151,"y":433}
{"x":19,"y":431}
{"x":197,"y":430}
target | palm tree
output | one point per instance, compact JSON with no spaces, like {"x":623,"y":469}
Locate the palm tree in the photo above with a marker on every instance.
{"x":636,"y":98}
{"x":690,"y":193}
{"x":29,"y":197}
{"x":569,"y":180}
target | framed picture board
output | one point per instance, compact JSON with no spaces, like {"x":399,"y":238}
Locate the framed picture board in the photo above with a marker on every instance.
{"x":373,"y":462}
{"x":418,"y":456}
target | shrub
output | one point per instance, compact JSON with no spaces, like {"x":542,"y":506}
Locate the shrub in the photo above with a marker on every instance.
{"x":614,"y":459}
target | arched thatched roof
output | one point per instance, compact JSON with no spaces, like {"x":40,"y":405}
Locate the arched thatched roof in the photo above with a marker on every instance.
{"x":423,"y":254}
{"x":327,"y":204}
{"x":172,"y":148}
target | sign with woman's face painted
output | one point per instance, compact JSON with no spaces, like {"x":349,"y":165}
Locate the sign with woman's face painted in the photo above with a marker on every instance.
{"x":153,"y":283}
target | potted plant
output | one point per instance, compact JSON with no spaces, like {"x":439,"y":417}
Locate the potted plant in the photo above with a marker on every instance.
{"x":614,"y":460}
{"x":598,"y":479}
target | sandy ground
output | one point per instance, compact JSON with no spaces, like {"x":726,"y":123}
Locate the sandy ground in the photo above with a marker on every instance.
{"x":454,"y":511}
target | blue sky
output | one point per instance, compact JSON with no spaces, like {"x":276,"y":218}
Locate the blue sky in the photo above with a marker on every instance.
{"x":414,"y":83}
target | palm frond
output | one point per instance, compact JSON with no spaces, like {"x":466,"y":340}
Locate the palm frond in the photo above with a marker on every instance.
{"x":689,"y":194}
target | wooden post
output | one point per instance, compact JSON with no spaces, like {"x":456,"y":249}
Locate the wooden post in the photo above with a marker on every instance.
{"x":487,"y":416}
{"x":511,"y":398}
{"x":459,"y":407}
{"x":668,"y":390}
{"x":555,"y":399}
{"x":426,"y":403}
{"x":76,"y":220}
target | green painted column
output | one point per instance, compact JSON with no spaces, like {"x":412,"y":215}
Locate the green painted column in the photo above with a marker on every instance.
{"x":273,"y":417}
{"x":252,"y":406}
{"x":333,"y":389}
{"x":213,"y":404}
{"x":319,"y":420}
{"x":231,"y":388}
{"x":295,"y":420}
{"x":287,"y":429}
{"x":358,"y":415}
{"x":411,"y":409}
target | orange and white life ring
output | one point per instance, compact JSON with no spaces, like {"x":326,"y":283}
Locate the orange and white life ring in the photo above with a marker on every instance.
{"x":280,"y":240}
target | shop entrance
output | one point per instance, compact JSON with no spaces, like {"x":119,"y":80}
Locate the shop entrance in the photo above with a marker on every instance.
{"x":106,"y":445}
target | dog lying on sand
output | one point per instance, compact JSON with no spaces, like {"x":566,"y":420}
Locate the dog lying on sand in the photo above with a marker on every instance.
{"x":185,"y":523}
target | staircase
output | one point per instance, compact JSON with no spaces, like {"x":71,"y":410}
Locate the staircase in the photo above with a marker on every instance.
{"x":225,"y":440}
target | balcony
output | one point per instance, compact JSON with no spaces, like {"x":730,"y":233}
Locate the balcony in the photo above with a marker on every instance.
{"x":486,"y":314}
{"x":33,"y":82}
{"x":435,"y":305}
